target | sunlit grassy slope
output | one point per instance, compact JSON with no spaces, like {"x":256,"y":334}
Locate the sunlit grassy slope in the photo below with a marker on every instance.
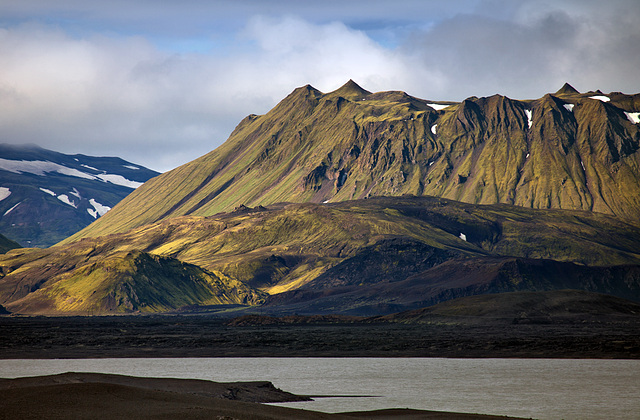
{"x":120,"y":282}
{"x":563,"y":151}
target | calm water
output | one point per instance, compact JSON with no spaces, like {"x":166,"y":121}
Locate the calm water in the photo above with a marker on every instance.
{"x":537,"y":388}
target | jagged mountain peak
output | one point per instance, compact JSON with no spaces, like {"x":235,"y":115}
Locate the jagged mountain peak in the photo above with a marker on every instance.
{"x":567,"y":89}
{"x":307,"y":90}
{"x":350,"y":90}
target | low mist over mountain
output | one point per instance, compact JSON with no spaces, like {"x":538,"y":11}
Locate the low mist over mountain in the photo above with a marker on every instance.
{"x":45,"y":196}
{"x":363,"y":203}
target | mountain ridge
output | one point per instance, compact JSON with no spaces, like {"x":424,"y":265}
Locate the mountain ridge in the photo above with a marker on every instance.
{"x":571,"y":151}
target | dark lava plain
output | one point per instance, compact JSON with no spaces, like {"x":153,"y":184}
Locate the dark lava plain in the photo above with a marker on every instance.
{"x":207,"y":336}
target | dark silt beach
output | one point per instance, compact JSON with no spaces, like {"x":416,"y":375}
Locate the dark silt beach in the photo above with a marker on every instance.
{"x":90,"y":396}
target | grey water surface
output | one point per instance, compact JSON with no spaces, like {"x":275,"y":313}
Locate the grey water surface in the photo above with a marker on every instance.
{"x":531,"y":388}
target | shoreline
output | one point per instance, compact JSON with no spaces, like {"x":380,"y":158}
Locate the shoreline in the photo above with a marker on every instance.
{"x":83,"y":395}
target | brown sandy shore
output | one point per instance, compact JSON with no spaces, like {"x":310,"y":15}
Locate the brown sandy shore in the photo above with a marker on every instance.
{"x":93,"y":396}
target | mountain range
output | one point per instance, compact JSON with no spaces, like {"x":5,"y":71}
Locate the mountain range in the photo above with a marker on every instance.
{"x":46,"y":196}
{"x":362,"y":203}
{"x":567,"y":150}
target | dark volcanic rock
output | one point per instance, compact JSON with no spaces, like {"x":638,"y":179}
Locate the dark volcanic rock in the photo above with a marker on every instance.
{"x":388,"y":260}
{"x":455,"y":279}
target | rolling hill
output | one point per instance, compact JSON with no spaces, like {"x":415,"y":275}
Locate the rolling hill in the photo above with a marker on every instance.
{"x":372,"y":256}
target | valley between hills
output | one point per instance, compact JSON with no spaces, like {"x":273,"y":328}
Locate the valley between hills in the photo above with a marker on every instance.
{"x":375,"y":216}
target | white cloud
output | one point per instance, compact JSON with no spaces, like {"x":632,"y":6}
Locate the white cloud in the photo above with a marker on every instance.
{"x":122,"y":96}
{"x":115,"y":96}
{"x":293,"y":50}
{"x":99,"y":93}
{"x":534,"y":51}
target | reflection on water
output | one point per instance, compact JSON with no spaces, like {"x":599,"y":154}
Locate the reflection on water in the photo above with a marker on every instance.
{"x":537,"y":388}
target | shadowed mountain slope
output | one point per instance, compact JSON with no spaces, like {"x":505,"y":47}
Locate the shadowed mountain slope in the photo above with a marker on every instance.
{"x":525,"y":307}
{"x":455,"y":279}
{"x":562,"y":151}
{"x":6,"y":244}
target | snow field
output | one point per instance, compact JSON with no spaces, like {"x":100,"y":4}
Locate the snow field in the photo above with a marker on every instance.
{"x":40,"y":168}
{"x":4,"y":193}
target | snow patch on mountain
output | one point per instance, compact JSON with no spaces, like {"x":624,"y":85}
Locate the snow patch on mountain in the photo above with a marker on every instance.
{"x":600,"y":98}
{"x":9,"y":211}
{"x":568,"y":107}
{"x":434,"y":128}
{"x":75,"y":192}
{"x":90,"y":167}
{"x":135,"y":168}
{"x":438,"y":107}
{"x":463,"y":237}
{"x":634,"y":117}
{"x":4,"y":193}
{"x":100,"y":209}
{"x":119,"y":180}
{"x":529,"y":117}
{"x":65,"y":199}
{"x":51,"y":193}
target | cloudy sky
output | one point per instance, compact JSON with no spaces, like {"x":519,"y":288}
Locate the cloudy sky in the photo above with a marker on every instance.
{"x":161,"y":82}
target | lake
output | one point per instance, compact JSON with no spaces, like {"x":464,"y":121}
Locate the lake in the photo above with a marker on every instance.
{"x":531,"y":388}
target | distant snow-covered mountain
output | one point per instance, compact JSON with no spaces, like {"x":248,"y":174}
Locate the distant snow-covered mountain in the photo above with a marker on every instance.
{"x":46,"y":196}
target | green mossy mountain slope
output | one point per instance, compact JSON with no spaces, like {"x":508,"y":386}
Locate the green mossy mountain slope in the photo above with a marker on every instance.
{"x":563,"y":151}
{"x":375,"y":202}
{"x":120,"y":282}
